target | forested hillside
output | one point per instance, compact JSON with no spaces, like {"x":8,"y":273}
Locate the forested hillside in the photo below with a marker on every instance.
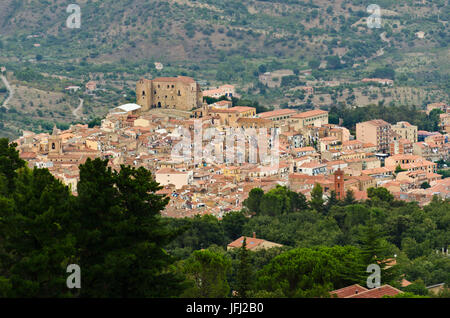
{"x":216,"y":41}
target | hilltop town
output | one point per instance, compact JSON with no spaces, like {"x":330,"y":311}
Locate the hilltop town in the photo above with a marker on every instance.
{"x":311,"y":151}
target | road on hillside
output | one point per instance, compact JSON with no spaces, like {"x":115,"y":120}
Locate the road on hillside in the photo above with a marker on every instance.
{"x":76,"y":111}
{"x":10,"y":90}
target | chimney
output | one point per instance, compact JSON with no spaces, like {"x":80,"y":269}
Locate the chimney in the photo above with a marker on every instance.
{"x":254,"y":235}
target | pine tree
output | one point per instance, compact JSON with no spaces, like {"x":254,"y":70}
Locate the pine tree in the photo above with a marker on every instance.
{"x":245,"y":273}
{"x":36,"y":245}
{"x":317,"y":198}
{"x":349,"y":197}
{"x":9,"y":163}
{"x":207,"y":270}
{"x":374,"y":252}
{"x":254,"y":200}
{"x":332,"y":201}
{"x":121,"y":235}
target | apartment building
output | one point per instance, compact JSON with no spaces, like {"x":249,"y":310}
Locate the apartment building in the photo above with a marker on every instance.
{"x":405,"y":131}
{"x":377,"y":132}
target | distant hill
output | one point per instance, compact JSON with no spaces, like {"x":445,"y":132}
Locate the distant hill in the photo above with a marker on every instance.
{"x":206,"y":29}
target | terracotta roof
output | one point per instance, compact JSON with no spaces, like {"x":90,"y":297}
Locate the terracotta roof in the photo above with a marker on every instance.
{"x":310,"y":113}
{"x":304,"y":149}
{"x":348,"y":291}
{"x":223,"y":102}
{"x":184,"y":79}
{"x":376,"y":122}
{"x":27,"y":155}
{"x":169,"y":171}
{"x":240,"y":109}
{"x":385,"y":290}
{"x":253,"y":120}
{"x":250,"y":241}
{"x":405,"y":283}
{"x":277,"y":112}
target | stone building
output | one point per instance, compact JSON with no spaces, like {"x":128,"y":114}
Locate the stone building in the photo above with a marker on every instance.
{"x":181,"y":92}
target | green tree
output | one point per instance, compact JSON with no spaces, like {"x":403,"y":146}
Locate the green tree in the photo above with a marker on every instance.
{"x":121,"y":235}
{"x":95,"y":122}
{"x":245,"y":273}
{"x":374,"y":252}
{"x":298,"y":201}
{"x":417,"y":288}
{"x":254,"y":200}
{"x":312,"y":272}
{"x":399,"y":169}
{"x":384,"y":72}
{"x":333,"y":62}
{"x":317,"y":198}
{"x":9,"y":162}
{"x":207,"y":270}
{"x":332,"y":201}
{"x":233,"y":224}
{"x":272,"y":204}
{"x":349,"y":197}
{"x":372,"y":248}
{"x":425,"y":185}
{"x":314,"y":64}
{"x":278,"y":201}
{"x":36,"y":244}
{"x":380,"y":194}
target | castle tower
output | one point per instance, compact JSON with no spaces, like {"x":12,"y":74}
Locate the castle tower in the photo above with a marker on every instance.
{"x":144,"y":94}
{"x":339,"y":184}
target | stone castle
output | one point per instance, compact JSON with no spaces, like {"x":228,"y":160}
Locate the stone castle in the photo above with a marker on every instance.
{"x":181,"y":92}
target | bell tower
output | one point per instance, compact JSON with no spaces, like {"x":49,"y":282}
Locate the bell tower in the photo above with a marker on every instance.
{"x":339,"y":184}
{"x":54,"y":143}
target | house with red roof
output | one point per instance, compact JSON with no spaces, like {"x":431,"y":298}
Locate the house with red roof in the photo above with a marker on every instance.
{"x":357,"y":291}
{"x":253,"y":243}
